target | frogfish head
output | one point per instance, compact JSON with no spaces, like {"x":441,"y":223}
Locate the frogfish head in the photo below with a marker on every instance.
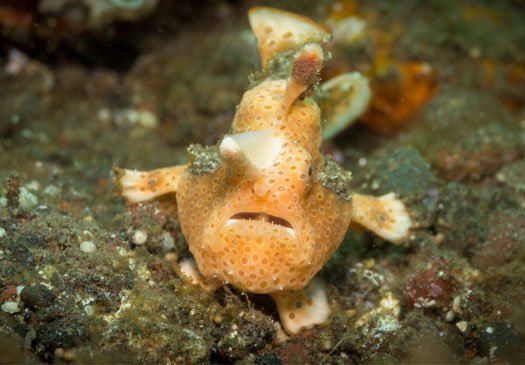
{"x":270,"y":224}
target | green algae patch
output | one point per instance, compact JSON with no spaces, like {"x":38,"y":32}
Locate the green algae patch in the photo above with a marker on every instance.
{"x":333,"y":177}
{"x":203,"y":159}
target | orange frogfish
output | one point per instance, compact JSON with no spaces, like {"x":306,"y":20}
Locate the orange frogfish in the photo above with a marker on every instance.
{"x":263,"y":210}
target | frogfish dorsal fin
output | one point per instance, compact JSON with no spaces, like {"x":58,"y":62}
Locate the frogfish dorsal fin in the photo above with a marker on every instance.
{"x":279,"y":31}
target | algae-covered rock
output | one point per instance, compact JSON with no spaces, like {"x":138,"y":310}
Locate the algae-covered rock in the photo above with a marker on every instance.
{"x":466,"y":134}
{"x":203,"y":159}
{"x":335,"y":178}
{"x":513,"y":175}
{"x":404,"y":171}
{"x":248,"y":335}
{"x":37,"y":297}
{"x":461,"y":217}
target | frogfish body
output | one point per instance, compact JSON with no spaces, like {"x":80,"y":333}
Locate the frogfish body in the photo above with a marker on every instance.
{"x":263,"y":210}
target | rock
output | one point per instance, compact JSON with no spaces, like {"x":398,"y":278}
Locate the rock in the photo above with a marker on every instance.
{"x":462,"y":217}
{"x":268,"y":358}
{"x":504,"y":241}
{"x":404,"y":171}
{"x":502,"y":343}
{"x":31,"y":239}
{"x":26,"y":199}
{"x":513,"y":176}
{"x":250,"y":335}
{"x":21,"y":253}
{"x":294,"y":352}
{"x":8,"y":292}
{"x":168,"y":242}
{"x":61,"y":332}
{"x":10,"y":307}
{"x":52,"y":190}
{"x":466,"y":134}
{"x":197,"y":349}
{"x":431,"y":287}
{"x":37,"y":297}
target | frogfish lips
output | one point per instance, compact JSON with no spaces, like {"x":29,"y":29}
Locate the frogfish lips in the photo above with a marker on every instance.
{"x":259,"y":252}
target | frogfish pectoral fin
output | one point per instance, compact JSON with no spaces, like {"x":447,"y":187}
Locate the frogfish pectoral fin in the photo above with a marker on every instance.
{"x":344,"y":99}
{"x":138,"y":186}
{"x":386,"y":216}
{"x":302,"y":308}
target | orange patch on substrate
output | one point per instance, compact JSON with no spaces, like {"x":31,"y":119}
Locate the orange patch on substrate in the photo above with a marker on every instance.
{"x":512,"y":76}
{"x":399,"y":92}
{"x":341,"y":9}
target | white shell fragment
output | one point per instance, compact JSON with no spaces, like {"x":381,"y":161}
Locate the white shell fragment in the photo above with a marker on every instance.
{"x":87,"y":247}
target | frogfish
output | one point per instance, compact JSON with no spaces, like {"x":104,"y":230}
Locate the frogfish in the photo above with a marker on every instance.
{"x":264,"y":209}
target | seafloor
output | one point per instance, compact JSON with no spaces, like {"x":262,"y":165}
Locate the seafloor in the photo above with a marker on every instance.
{"x":85,"y":279}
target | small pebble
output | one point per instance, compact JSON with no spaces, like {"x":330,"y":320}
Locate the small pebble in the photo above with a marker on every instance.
{"x":89,"y":309}
{"x":456,"y":305}
{"x":19,"y":289}
{"x":449,"y":317}
{"x":147,"y":119}
{"x":33,"y":185}
{"x":51,"y":190}
{"x":88,"y":247}
{"x":3,"y":201}
{"x":142,"y":117}
{"x":217,"y":319}
{"x":325,"y":344}
{"x":462,"y":326}
{"x":351,"y":313}
{"x":69,"y":355}
{"x":27,"y":200}
{"x":3,"y":232}
{"x":10,"y":307}
{"x":139,"y":237}
{"x":59,"y":352}
{"x":104,"y":115}
{"x":168,"y":242}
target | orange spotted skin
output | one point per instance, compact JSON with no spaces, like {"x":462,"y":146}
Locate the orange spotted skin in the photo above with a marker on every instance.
{"x":273,"y":232}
